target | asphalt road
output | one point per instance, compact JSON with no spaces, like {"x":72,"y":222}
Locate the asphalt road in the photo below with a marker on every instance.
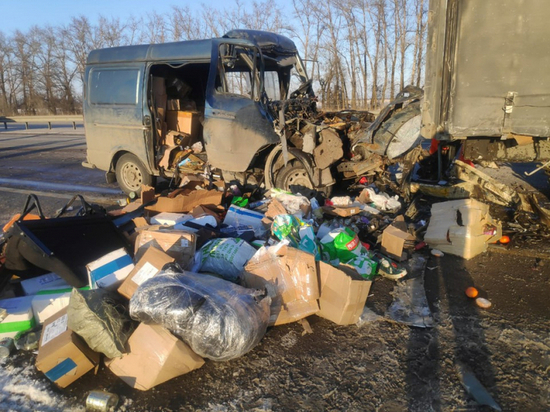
{"x":48,"y":164}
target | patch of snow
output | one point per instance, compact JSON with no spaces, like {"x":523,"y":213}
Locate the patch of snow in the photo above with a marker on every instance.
{"x":19,"y":391}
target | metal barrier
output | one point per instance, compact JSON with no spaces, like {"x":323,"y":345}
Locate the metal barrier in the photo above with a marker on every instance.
{"x":74,"y":119}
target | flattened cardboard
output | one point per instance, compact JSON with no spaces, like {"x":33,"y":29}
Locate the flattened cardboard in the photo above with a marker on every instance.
{"x":186,"y":203}
{"x":148,"y":266}
{"x":343,"y":211}
{"x":343,"y":293}
{"x":155,"y":356}
{"x":62,"y":355}
{"x":179,"y":244}
{"x":290,"y":278}
{"x":274,"y":209}
{"x":393,"y":240}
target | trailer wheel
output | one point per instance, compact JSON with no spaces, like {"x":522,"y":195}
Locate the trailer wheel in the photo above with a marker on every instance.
{"x":131,"y":174}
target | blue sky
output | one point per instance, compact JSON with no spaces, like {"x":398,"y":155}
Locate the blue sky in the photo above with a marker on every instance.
{"x":21,"y":15}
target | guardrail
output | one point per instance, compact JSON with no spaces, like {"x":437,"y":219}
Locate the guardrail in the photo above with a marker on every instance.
{"x":74,"y":119}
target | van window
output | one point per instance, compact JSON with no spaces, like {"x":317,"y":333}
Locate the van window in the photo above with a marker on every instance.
{"x":109,"y":86}
{"x":271,"y":85}
{"x":238,"y":71}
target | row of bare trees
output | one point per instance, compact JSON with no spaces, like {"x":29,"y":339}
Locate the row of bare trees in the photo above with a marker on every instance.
{"x":359,"y":52}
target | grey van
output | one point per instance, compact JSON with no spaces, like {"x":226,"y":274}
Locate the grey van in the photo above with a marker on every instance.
{"x":219,"y":84}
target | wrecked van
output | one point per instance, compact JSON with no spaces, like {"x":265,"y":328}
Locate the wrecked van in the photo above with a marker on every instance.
{"x":245,"y":98}
{"x":144,"y":105}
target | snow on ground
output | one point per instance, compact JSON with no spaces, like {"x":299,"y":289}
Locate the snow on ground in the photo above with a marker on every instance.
{"x":20,"y":391}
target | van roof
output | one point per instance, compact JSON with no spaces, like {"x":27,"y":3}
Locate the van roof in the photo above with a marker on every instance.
{"x":198,"y":50}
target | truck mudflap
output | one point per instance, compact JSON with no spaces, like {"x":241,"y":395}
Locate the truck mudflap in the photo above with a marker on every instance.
{"x":62,"y":245}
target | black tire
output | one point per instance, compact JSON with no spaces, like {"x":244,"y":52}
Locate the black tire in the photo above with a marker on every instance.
{"x":294,"y":178}
{"x":390,"y":128}
{"x":131,"y":174}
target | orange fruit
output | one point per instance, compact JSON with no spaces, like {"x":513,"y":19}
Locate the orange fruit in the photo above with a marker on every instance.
{"x":504,"y":239}
{"x":471,"y":292}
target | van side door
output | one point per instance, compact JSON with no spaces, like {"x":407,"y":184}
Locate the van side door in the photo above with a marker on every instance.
{"x":114,"y":114}
{"x":236,"y":124}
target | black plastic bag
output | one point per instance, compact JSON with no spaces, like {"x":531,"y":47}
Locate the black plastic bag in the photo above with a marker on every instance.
{"x":218,"y":319}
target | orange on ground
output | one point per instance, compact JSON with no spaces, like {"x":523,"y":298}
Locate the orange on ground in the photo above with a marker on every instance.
{"x":504,"y":239}
{"x":471,"y":292}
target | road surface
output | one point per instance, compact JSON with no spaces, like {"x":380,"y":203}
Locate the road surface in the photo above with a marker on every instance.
{"x":48,"y":164}
{"x":380,"y":365}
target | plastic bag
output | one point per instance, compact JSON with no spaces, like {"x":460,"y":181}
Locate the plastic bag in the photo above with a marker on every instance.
{"x":100,"y":319}
{"x":382,"y":201}
{"x":225,"y":257}
{"x":299,"y":234}
{"x":342,"y":245}
{"x":217,"y":319}
{"x":294,"y":204}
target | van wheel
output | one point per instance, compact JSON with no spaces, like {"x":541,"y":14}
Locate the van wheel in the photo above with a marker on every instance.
{"x":131,"y":174}
{"x":294,"y":178}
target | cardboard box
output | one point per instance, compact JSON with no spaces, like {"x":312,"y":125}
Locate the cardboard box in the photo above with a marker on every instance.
{"x":110,"y":270}
{"x":239,"y":216}
{"x":148,"y":266}
{"x":62,"y":355}
{"x":186,"y":203}
{"x":34,"y":285}
{"x":20,"y":316}
{"x":45,"y":305}
{"x":179,"y":244}
{"x":462,"y":227}
{"x":186,"y":122}
{"x":173,"y":104}
{"x":343,"y":293}
{"x":290,"y":277}
{"x":393,"y":242}
{"x":155,"y":356}
{"x":168,"y":218}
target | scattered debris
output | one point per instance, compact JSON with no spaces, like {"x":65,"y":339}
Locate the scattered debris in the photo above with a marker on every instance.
{"x":410,"y":305}
{"x":201,"y":271}
{"x":483,"y":303}
{"x":474,"y":387}
{"x":101,"y":401}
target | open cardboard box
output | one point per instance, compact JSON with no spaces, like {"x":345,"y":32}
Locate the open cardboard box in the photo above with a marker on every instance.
{"x":290,"y":278}
{"x":179,"y":244}
{"x":343,"y":293}
{"x":154,"y":356}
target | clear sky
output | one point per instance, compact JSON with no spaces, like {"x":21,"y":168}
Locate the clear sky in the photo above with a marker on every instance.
{"x":22,"y":14}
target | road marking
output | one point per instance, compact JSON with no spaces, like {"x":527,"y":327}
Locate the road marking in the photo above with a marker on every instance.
{"x":93,"y":199}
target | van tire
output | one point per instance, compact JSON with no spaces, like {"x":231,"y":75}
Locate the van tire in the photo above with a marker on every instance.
{"x":131,"y":174}
{"x":294,"y":178}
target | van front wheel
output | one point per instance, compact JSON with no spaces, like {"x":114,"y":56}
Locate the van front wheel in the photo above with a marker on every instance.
{"x":131,"y":174}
